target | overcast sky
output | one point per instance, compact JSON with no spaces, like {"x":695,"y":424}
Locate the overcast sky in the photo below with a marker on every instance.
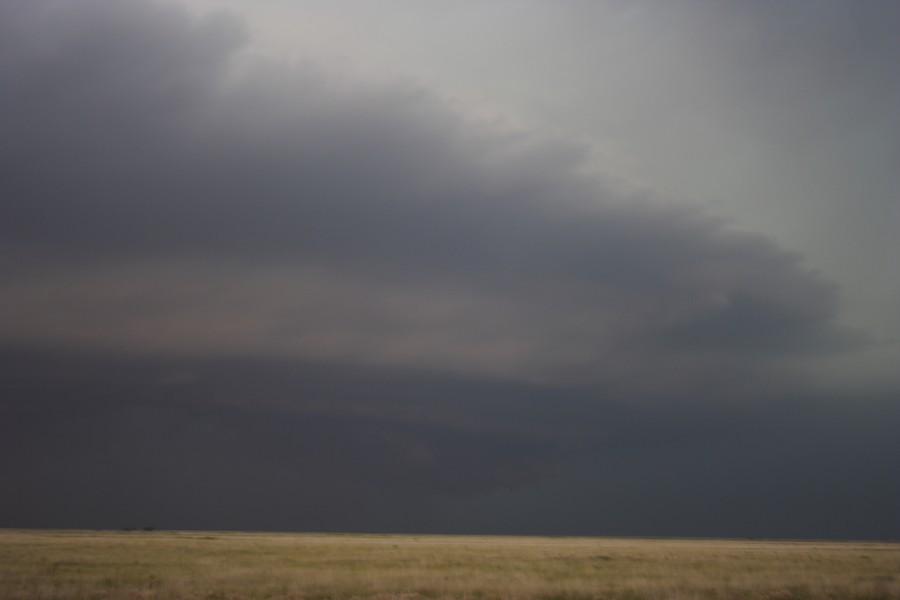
{"x":492,"y":267}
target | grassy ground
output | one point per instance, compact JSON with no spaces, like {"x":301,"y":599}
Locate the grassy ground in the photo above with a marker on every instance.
{"x":202,"y":565}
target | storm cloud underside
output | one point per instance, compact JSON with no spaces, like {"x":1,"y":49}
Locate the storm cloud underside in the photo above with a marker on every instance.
{"x":224,"y":273}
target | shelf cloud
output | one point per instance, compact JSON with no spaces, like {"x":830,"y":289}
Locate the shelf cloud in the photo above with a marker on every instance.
{"x":355,"y":283}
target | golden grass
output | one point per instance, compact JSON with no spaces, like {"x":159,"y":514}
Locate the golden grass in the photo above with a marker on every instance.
{"x":206,"y":565}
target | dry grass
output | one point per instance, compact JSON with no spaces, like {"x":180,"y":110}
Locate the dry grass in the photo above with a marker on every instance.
{"x":203,"y":565}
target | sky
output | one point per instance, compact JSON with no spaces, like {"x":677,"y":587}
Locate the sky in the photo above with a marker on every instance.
{"x":562,"y":268}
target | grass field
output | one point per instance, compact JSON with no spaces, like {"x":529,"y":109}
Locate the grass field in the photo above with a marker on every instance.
{"x":212,"y":565}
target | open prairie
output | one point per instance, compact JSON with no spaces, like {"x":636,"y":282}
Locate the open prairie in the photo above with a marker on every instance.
{"x":215,"y":565}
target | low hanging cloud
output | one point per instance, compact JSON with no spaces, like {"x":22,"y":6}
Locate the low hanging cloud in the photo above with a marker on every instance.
{"x":239,"y":292}
{"x":168,"y":194}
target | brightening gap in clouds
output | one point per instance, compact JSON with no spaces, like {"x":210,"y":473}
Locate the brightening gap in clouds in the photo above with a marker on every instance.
{"x":347,"y":282}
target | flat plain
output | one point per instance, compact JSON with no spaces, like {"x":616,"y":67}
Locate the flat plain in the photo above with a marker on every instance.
{"x":182,"y":565}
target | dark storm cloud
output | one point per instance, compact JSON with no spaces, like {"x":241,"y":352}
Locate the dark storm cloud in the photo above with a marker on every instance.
{"x":230,"y":277}
{"x":97,"y":439}
{"x":186,"y":450}
{"x":319,"y":217}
